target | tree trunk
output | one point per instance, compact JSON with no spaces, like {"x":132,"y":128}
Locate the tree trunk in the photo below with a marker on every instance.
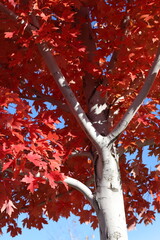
{"x":109,"y":197}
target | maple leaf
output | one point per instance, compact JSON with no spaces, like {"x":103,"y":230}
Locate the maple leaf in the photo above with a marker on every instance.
{"x":31,"y":180}
{"x":94,"y":223}
{"x":7,"y":165}
{"x":8,"y":206}
{"x":53,"y":136}
{"x":55,"y":177}
{"x":9,"y":34}
{"x":12,"y":2}
{"x":36,"y":159}
{"x":82,"y":49}
{"x":14,"y":230}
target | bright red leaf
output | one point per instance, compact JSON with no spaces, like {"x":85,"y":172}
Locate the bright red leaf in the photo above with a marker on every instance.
{"x":8,"y":206}
{"x":8,"y":34}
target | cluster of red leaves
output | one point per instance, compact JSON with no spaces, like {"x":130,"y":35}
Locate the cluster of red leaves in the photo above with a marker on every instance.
{"x":140,"y":186}
{"x":34,"y":152}
{"x":30,"y":158}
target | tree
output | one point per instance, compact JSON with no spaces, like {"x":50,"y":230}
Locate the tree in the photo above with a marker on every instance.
{"x":92,"y":64}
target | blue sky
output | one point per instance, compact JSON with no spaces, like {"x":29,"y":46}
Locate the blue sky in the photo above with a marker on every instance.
{"x":71,"y":229}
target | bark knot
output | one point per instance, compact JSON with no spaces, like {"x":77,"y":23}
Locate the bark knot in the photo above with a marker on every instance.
{"x":115,"y":235}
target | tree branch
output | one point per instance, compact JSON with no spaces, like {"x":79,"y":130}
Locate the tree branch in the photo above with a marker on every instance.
{"x":62,"y":83}
{"x":81,"y":154}
{"x":82,"y":188}
{"x":68,"y":94}
{"x":121,"y":126}
{"x":11,"y":14}
{"x":72,"y":182}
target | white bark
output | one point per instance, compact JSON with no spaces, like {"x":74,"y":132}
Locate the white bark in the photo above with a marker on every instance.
{"x":109,"y":197}
{"x":81,"y":187}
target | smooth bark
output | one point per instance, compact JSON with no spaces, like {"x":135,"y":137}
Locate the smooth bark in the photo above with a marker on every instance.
{"x":82,"y":188}
{"x":109,"y":196}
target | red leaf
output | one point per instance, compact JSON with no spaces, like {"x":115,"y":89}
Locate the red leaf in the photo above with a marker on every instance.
{"x":7,"y":165}
{"x":54,"y":177}
{"x":12,"y":2}
{"x":31,"y":180}
{"x":53,"y":136}
{"x":9,"y":207}
{"x":82,"y":49}
{"x":36,"y":159}
{"x":14,"y":230}
{"x":18,"y":135}
{"x":8,"y":34}
{"x":28,"y":179}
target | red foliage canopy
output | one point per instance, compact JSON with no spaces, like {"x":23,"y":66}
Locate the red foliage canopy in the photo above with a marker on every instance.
{"x":112,"y":44}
